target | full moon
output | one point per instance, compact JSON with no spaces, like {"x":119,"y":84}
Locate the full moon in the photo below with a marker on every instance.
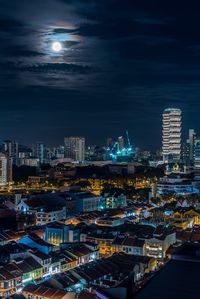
{"x":56,"y":46}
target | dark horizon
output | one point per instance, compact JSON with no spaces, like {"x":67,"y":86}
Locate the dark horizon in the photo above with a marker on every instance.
{"x":121,"y":65}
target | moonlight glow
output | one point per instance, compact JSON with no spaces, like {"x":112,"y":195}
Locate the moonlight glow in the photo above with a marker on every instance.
{"x":56,"y":46}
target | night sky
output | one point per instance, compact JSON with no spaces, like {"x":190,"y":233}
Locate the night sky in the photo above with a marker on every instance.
{"x":122,"y":63}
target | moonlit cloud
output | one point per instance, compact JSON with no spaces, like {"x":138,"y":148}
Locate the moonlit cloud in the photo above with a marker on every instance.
{"x":121,"y":64}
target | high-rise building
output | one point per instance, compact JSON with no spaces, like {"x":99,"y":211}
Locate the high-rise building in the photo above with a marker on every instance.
{"x":9,"y":169}
{"x":191,"y":144}
{"x":60,"y":152}
{"x":11,"y":148}
{"x":171,"y":134}
{"x":5,"y":169}
{"x":197,"y":156}
{"x":185,"y":153}
{"x":75,"y":148}
{"x":38,"y":151}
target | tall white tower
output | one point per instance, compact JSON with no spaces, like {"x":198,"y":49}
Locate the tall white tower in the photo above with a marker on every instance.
{"x":3,"y":169}
{"x":171,"y":135}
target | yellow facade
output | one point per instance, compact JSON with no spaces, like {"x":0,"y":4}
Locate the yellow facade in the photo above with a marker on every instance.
{"x":182,"y":224}
{"x":193,"y":214}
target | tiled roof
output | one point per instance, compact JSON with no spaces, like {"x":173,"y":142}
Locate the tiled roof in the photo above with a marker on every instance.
{"x":39,"y":290}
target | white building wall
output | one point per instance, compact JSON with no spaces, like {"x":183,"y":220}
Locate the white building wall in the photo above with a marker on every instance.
{"x":171,"y":134}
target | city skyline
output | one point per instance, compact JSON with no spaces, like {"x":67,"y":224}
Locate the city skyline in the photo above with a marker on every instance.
{"x":99,"y":149}
{"x":115,"y":71}
{"x":184,"y":136}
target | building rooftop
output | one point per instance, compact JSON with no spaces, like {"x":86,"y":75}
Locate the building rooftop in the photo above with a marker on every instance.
{"x":172,"y":110}
{"x":8,"y":235}
{"x":80,"y":194}
{"x":27,"y":265}
{"x":40,"y":255}
{"x":128,"y":241}
{"x":48,"y":201}
{"x":38,"y":240}
{"x":66,"y":279}
{"x":38,"y":290}
{"x":11,"y":248}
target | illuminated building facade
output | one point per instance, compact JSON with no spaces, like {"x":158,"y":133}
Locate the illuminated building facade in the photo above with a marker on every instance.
{"x":57,"y":233}
{"x":75,"y":148}
{"x":159,"y":244}
{"x":197,"y":157}
{"x":115,"y":199}
{"x":88,"y":202}
{"x":191,"y":143}
{"x":3,"y":169}
{"x":11,"y":149}
{"x":46,"y":216}
{"x":103,"y":240}
{"x":171,"y":135}
{"x":38,"y":151}
{"x":175,"y":186}
{"x":129,"y":245}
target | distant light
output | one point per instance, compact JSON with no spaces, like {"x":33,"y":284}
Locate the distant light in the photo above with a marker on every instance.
{"x":56,"y":46}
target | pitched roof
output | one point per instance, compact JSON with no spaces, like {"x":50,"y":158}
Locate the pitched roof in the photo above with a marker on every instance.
{"x":40,"y":290}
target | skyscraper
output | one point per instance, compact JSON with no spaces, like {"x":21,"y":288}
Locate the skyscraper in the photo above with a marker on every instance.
{"x":11,"y":149}
{"x":5,"y":169}
{"x":191,"y":143}
{"x":197,"y":156}
{"x":75,"y":148}
{"x":9,"y":169}
{"x":38,"y":151}
{"x":171,"y":134}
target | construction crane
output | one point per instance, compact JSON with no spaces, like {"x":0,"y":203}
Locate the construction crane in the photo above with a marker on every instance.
{"x":123,"y":155}
{"x":128,"y":140}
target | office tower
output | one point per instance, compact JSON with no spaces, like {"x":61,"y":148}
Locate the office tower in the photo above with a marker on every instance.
{"x":38,"y":151}
{"x":75,"y":148}
{"x":171,"y":135}
{"x":197,"y":156}
{"x":9,"y":169}
{"x":11,"y":149}
{"x":60,"y":152}
{"x":191,"y":144}
{"x":120,"y":143}
{"x":185,"y":153}
{"x":5,"y":169}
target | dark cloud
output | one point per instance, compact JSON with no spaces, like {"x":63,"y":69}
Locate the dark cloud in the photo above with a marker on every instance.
{"x":18,"y":51}
{"x":10,"y":25}
{"x":59,"y":68}
{"x":122,"y":63}
{"x":63,"y":30}
{"x":50,"y":67}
